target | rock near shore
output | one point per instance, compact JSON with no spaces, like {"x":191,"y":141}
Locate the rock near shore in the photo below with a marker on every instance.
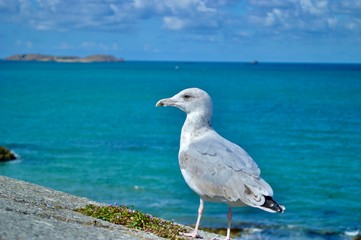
{"x":6,"y":155}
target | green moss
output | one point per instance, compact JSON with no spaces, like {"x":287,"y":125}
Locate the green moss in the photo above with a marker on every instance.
{"x":132,"y":218}
{"x":6,"y":155}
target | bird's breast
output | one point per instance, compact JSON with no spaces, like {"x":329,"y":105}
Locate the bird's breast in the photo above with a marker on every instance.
{"x":183,"y":158}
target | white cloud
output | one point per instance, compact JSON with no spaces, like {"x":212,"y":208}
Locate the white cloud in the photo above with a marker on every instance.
{"x":317,"y":7}
{"x":189,"y":6}
{"x":332,"y":22}
{"x":276,"y":15}
{"x":203,"y":8}
{"x":151,"y":5}
{"x":51,"y":5}
{"x":305,"y":17}
{"x":348,"y":6}
{"x":42,"y":25}
{"x":180,"y":15}
{"x":173,"y":23}
{"x":202,"y":17}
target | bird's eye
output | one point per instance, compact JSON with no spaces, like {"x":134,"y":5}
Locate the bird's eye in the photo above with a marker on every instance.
{"x":186,"y":97}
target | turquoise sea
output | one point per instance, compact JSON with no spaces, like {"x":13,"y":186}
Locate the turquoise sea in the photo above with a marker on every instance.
{"x":93,"y":130}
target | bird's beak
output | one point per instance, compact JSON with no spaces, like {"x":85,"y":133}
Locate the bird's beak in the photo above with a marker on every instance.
{"x":166,"y":102}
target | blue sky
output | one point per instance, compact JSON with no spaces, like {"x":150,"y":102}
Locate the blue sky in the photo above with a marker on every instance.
{"x":185,"y":30}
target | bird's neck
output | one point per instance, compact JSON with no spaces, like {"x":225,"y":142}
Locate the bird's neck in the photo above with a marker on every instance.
{"x":194,"y":126}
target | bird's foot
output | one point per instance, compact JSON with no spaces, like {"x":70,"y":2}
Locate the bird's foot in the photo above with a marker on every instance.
{"x":193,"y":234}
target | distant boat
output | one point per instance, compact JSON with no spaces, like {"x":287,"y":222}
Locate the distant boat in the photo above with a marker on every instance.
{"x":254,"y":62}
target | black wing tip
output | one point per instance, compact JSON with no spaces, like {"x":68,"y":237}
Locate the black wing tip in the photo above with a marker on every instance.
{"x":272,"y":205}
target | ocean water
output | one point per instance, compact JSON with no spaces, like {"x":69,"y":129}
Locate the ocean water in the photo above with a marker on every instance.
{"x":93,"y":130}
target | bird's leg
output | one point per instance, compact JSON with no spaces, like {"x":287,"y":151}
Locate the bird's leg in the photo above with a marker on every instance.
{"x":229,"y":221}
{"x":194,"y":234}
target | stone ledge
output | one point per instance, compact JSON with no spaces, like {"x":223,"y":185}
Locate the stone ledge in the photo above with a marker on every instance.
{"x":29,"y":211}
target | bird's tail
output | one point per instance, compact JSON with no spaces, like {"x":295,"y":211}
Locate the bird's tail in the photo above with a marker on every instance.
{"x":271,"y":205}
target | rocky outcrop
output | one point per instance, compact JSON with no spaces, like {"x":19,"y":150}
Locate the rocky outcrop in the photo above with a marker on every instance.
{"x":50,"y":58}
{"x":6,"y":154}
{"x":30,"y":57}
{"x":101,"y":58}
{"x":29,"y":211}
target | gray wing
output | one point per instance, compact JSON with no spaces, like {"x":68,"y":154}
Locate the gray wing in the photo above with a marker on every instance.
{"x":218,"y":169}
{"x":227,"y":153}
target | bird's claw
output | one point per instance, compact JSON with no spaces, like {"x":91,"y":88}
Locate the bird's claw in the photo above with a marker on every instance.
{"x":193,"y":234}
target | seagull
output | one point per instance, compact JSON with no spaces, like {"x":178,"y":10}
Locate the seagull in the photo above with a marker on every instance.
{"x":213,"y":167}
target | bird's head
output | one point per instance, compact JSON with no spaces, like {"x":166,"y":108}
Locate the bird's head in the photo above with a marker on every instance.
{"x":190,"y":100}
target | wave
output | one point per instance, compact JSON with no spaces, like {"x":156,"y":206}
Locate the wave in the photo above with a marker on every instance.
{"x":295,"y":232}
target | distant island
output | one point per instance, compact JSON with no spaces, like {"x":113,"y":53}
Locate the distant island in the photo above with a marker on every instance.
{"x":68,"y":59}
